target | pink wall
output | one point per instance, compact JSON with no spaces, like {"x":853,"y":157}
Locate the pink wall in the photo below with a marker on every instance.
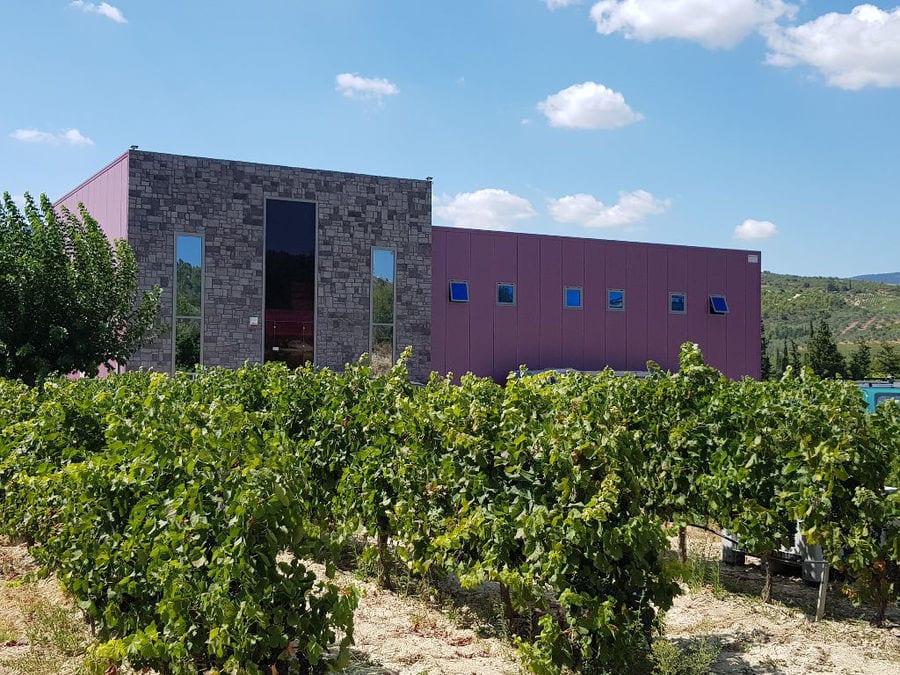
{"x":489,"y":339}
{"x":105,"y":195}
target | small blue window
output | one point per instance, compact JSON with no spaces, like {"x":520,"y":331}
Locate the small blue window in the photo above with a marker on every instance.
{"x":718,"y":304}
{"x":459,"y":291}
{"x":677,"y":303}
{"x":506,"y":294}
{"x":572,"y":297}
{"x":615,"y":300}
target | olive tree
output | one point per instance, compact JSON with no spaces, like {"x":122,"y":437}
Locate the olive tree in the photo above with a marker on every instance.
{"x":69,"y":297}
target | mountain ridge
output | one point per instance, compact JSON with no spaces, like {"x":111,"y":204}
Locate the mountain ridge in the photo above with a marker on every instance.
{"x":884,"y":278}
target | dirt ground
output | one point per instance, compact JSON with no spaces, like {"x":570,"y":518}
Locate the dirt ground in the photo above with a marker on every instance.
{"x":457,"y":633}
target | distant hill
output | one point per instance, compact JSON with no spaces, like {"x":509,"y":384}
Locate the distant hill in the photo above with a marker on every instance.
{"x":853,"y":308}
{"x":886,"y":278}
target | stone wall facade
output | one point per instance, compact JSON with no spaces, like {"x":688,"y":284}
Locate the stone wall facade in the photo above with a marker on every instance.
{"x":224,"y":202}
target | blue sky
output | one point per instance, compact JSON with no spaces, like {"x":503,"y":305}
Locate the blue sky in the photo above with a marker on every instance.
{"x":761,"y":124}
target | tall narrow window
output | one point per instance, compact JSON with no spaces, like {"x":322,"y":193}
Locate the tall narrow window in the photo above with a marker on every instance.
{"x":290,"y":281}
{"x":188,"y":349}
{"x":382,"y":309}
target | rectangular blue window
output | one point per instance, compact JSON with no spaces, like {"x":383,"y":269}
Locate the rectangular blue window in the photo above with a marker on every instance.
{"x":506,"y":294}
{"x":677,"y":303}
{"x":615,"y":300}
{"x":459,"y":291}
{"x":572,"y":297}
{"x":718,"y":304}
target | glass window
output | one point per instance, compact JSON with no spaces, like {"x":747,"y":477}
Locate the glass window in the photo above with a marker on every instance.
{"x":383,"y":310}
{"x":459,"y":291}
{"x":188,"y":302}
{"x":615,"y":300}
{"x":572,"y":297}
{"x":718,"y":304}
{"x":506,"y":294}
{"x":290,"y":281}
{"x":677,"y":303}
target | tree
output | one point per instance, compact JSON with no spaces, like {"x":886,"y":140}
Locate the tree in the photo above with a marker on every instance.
{"x":794,"y":360}
{"x":822,"y":353}
{"x":887,"y":361}
{"x":860,"y":361}
{"x":765,"y":365}
{"x":783,"y":360}
{"x":68,"y":297}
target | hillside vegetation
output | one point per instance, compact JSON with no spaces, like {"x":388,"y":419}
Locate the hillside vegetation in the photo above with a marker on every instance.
{"x":853,"y":309}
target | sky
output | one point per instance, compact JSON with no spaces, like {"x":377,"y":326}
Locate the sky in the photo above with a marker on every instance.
{"x":756,"y":124}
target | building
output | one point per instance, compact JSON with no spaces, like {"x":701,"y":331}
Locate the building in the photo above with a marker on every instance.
{"x":259,"y":262}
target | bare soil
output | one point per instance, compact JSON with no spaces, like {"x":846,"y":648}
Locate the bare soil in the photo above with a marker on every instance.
{"x":454,"y":632}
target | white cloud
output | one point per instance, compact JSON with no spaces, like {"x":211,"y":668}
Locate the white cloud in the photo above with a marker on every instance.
{"x":557,"y":4}
{"x":852,"y":50}
{"x":373,"y":89}
{"x":103,"y":9}
{"x":66,"y":137}
{"x":33,"y":136}
{"x":751,"y":230}
{"x":586,"y":210}
{"x":588,"y":106}
{"x":75,"y":137}
{"x":715,"y":24}
{"x":488,"y":209}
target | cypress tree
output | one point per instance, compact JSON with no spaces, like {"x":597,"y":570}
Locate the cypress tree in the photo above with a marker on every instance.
{"x":822,"y":354}
{"x":860,"y":361}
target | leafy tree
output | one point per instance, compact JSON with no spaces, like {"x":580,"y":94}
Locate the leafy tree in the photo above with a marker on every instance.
{"x":887,"y":361}
{"x":822,"y":353}
{"x":68,"y":297}
{"x":860,"y":361}
{"x":794,"y":360}
{"x":783,"y":360}
{"x":765,"y":365}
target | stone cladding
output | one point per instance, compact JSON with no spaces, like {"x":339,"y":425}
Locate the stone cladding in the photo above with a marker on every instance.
{"x":224,"y":202}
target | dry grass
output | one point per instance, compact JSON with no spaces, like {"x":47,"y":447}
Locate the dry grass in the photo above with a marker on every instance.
{"x":458,"y":632}
{"x":40,"y":632}
{"x":779,"y":638}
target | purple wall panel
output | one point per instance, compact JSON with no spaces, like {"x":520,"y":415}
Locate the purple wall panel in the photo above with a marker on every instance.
{"x":594,"y":305}
{"x":736,"y":294}
{"x":550,"y":273}
{"x":105,"y":195}
{"x":698,"y":315}
{"x":678,"y":323}
{"x":657,"y":304}
{"x":572,"y":337}
{"x":636,"y":307}
{"x":492,"y":340}
{"x":616,"y":278}
{"x":458,"y":269}
{"x":528,"y":302}
{"x":439,"y":303}
{"x":714,"y":349}
{"x":505,"y":267}
{"x":482,"y":300}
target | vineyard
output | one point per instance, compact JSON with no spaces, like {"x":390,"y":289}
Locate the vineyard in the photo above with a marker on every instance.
{"x":178,"y":512}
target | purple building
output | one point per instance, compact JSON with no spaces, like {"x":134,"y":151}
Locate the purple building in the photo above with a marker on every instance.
{"x":259,"y":262}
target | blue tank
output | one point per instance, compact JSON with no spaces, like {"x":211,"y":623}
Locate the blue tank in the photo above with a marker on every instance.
{"x":877,"y":392}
